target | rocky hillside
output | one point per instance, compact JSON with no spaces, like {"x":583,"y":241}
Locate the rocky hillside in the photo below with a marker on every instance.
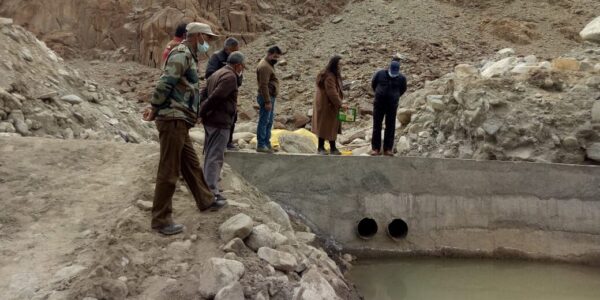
{"x":40,"y":95}
{"x":138,"y":30}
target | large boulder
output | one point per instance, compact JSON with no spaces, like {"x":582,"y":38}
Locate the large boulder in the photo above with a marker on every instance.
{"x":280,"y":260}
{"x":314,"y":287}
{"x":239,"y":226}
{"x":591,"y":32}
{"x":296,"y":143}
{"x":263,"y":236}
{"x":217,"y":274}
{"x":593,"y":152}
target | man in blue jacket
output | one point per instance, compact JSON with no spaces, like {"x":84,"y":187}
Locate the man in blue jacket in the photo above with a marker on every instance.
{"x":389,"y":85}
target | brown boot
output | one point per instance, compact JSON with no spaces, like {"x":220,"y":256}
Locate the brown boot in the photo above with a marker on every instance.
{"x":388,"y":153}
{"x":374,"y":152}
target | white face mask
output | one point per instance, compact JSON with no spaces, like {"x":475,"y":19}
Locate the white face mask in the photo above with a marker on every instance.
{"x":390,"y":73}
{"x":203,"y":48}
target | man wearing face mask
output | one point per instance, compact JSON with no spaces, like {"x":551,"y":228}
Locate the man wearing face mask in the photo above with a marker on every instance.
{"x":175,"y":109}
{"x":218,"y":113}
{"x":268,"y":89}
{"x":389,"y":85}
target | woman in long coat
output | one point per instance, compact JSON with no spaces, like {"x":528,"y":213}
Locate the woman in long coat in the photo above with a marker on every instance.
{"x":328,"y":101}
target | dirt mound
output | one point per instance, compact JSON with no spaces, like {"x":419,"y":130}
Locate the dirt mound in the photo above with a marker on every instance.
{"x":513,"y":31}
{"x":40,"y":95}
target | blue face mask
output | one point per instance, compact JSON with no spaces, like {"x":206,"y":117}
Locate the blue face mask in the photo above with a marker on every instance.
{"x":203,"y":48}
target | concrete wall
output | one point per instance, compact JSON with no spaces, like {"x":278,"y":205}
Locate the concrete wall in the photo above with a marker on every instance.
{"x":452,"y":207}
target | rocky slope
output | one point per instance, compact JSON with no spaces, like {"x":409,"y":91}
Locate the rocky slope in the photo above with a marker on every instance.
{"x":138,"y":30}
{"x":59,"y":241}
{"x":41,"y":95}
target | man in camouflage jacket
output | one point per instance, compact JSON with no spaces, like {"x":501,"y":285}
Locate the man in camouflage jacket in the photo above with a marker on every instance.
{"x":175,"y":105}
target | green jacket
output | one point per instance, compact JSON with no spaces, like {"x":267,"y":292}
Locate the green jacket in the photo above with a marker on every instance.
{"x":177,"y":93}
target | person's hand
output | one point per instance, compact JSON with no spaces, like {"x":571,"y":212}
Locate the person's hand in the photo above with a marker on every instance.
{"x":345,"y":106}
{"x":268,"y":106}
{"x":149,"y":114}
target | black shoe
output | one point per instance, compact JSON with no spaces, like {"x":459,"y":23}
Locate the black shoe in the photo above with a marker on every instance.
{"x":218,"y":204}
{"x":170,"y":229}
{"x":336,"y":152}
{"x":220,"y":197}
{"x":232,"y":147}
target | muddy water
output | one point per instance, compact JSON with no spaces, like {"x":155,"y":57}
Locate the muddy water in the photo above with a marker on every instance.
{"x":457,"y":279}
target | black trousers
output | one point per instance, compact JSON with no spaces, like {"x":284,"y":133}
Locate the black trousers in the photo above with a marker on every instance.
{"x":384,"y":109}
{"x":232,"y":129}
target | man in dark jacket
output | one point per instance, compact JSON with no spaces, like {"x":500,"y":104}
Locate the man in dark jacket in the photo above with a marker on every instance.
{"x":217,"y":61}
{"x":389,"y":85}
{"x":218,"y":114}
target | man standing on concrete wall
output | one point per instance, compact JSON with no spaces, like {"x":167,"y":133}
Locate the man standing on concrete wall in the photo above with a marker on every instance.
{"x":217,"y":61}
{"x":217,"y":113}
{"x":389,"y":85}
{"x":175,"y":109}
{"x":268,"y":90}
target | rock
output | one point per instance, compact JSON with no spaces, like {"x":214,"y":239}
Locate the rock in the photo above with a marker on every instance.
{"x":365,"y":109}
{"x":247,"y":115}
{"x":276,"y":283}
{"x":179,"y":246}
{"x":465,"y":70}
{"x":6,"y":22}
{"x":230,"y":256}
{"x":263,"y":236}
{"x":436,"y":102}
{"x":491,"y":126}
{"x":236,"y":246}
{"x":499,"y":68}
{"x":337,"y":20}
{"x":246,"y":136}
{"x":570,"y":142}
{"x":352,"y":134}
{"x":278,"y":214}
{"x":144,"y":205}
{"x":404,"y":116}
{"x":239,"y":226}
{"x":217,"y":274}
{"x":197,"y":135}
{"x":72,"y":99}
{"x":361,"y":151}
{"x":246,"y":127}
{"x":7,"y":127}
{"x":300,"y":120}
{"x":305,"y":237}
{"x":595,"y":112}
{"x":296,"y":143}
{"x":565,"y":64}
{"x":524,"y":68}
{"x":233,"y":291}
{"x":593,"y":152}
{"x":314,"y":287}
{"x":280,"y":260}
{"x":506,"y":52}
{"x":403,"y":145}
{"x":591,"y":32}
{"x":19,"y":122}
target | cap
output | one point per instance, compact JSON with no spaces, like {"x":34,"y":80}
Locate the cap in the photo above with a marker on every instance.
{"x":236,"y":57}
{"x":395,"y":68}
{"x":199,"y":28}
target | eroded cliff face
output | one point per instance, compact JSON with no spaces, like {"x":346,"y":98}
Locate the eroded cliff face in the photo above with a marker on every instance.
{"x":139,"y":29}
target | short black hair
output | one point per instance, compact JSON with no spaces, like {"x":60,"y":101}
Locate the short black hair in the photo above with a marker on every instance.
{"x":180,"y":30}
{"x":275,"y":50}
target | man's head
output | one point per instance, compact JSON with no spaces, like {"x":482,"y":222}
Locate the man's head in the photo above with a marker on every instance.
{"x":231,"y":45}
{"x":394,"y":69}
{"x":237,"y":61}
{"x":198,"y":36}
{"x":273,"y":54}
{"x":180,"y":30}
